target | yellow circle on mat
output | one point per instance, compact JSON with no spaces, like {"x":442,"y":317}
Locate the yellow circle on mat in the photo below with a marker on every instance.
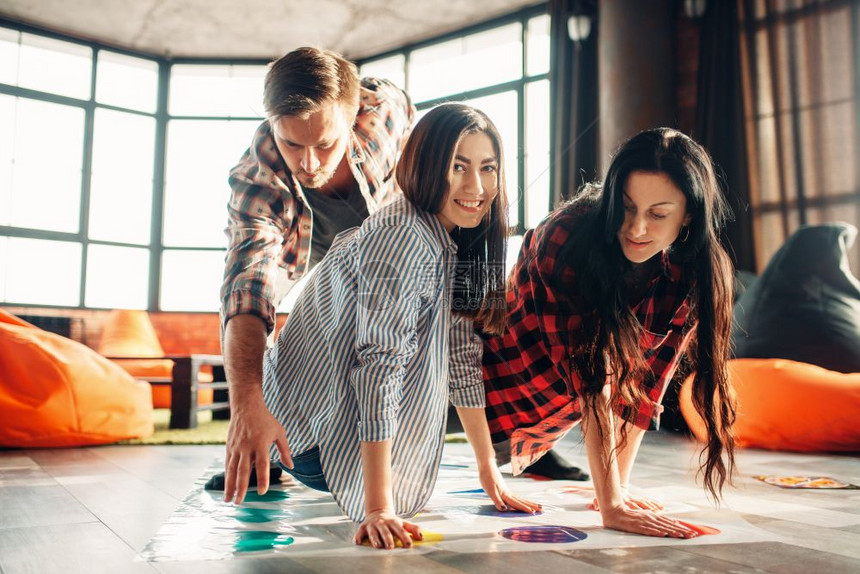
{"x":428,"y":538}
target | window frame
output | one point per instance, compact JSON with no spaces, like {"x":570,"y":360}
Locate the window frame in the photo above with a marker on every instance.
{"x":519,"y":86}
{"x":155,"y":246}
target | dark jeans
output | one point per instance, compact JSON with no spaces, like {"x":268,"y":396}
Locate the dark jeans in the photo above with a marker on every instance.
{"x":307,"y":469}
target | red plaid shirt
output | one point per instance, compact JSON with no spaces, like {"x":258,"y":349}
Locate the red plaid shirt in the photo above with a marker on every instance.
{"x":531,"y":391}
{"x":270,"y":223}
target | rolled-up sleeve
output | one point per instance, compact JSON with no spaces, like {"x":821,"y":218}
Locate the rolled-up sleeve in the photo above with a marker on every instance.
{"x":383,"y":125}
{"x":255,"y":233}
{"x":465,"y":376}
{"x":390,"y":266}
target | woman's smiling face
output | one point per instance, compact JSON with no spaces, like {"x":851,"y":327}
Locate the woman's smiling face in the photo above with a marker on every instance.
{"x":473,"y":182}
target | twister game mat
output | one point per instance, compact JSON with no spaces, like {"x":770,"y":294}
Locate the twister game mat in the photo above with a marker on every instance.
{"x":294,"y":520}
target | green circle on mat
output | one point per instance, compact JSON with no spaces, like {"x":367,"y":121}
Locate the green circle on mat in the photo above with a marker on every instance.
{"x":257,"y":540}
{"x":254,"y":515}
{"x":270,"y":496}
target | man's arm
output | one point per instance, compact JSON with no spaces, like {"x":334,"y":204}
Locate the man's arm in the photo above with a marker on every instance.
{"x":256,"y":231}
{"x":252,"y":427}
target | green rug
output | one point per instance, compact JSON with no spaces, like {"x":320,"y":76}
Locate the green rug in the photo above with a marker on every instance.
{"x":207,"y":431}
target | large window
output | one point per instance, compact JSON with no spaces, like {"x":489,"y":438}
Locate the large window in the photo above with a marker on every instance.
{"x":501,"y":68}
{"x":113,"y":165}
{"x":213,"y":112}
{"x":113,"y":185}
{"x":77,"y":160}
{"x":42,"y":158}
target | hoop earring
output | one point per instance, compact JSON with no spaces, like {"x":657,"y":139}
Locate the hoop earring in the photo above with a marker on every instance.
{"x":686,"y":237}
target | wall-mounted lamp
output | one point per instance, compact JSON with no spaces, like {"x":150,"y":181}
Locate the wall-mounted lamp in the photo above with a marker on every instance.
{"x":695,"y":9}
{"x":579,"y":27}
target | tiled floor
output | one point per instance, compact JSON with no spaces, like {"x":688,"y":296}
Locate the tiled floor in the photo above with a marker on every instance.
{"x":94,"y":509}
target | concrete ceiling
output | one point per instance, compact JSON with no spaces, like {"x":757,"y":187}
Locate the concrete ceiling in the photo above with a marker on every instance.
{"x":255,"y":28}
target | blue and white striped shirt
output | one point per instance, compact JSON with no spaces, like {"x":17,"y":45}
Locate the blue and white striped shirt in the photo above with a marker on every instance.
{"x":372,"y":352}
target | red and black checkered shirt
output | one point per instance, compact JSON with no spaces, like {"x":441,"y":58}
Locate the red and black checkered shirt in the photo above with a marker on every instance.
{"x":531,"y":388}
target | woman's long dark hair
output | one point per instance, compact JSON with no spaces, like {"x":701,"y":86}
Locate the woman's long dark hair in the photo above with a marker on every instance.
{"x":423,"y":175}
{"x":612,"y":342}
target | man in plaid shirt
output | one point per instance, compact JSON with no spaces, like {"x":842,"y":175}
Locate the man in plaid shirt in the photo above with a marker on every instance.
{"x":320,"y":164}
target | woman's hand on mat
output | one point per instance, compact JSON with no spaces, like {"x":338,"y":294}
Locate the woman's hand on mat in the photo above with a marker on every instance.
{"x":633,"y":503}
{"x":495,"y":487}
{"x":251,"y":433}
{"x":384,"y":529}
{"x":645,"y":522}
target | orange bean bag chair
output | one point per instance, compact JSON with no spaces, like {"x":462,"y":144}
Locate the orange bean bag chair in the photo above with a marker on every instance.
{"x":786,"y":405}
{"x":129,"y":333}
{"x":55,"y":392}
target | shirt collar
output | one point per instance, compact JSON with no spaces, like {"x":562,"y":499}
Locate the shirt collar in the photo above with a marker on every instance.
{"x":438,"y":230}
{"x":355,"y":151}
{"x":670,"y":269}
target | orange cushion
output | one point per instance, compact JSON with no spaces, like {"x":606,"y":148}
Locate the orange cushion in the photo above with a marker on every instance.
{"x":129,"y":333}
{"x":786,"y":405}
{"x":145,"y":368}
{"x":55,"y":392}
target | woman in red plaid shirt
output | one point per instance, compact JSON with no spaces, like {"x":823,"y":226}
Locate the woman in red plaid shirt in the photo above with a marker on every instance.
{"x":608,"y":293}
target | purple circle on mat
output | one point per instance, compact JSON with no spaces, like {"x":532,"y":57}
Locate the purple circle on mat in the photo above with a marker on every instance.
{"x":490,"y":510}
{"x":548,"y":534}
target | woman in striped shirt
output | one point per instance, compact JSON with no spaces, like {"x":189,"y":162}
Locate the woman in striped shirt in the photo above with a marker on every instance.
{"x":608,"y":293}
{"x":382,"y":335}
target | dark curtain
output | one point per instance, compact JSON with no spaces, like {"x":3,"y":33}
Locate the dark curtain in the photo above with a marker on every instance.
{"x":574,"y":104}
{"x":801,"y":77}
{"x":720,"y":121}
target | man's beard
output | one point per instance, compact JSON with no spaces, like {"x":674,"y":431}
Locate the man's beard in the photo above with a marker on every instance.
{"x":315,"y":181}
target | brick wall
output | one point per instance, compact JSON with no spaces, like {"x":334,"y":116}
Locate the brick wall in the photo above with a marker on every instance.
{"x":178,"y":333}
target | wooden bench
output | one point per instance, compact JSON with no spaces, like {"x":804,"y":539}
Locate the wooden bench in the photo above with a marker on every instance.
{"x":185,"y":385}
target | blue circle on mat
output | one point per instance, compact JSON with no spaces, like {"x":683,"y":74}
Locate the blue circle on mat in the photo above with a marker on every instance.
{"x":548,"y":534}
{"x":479,"y":492}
